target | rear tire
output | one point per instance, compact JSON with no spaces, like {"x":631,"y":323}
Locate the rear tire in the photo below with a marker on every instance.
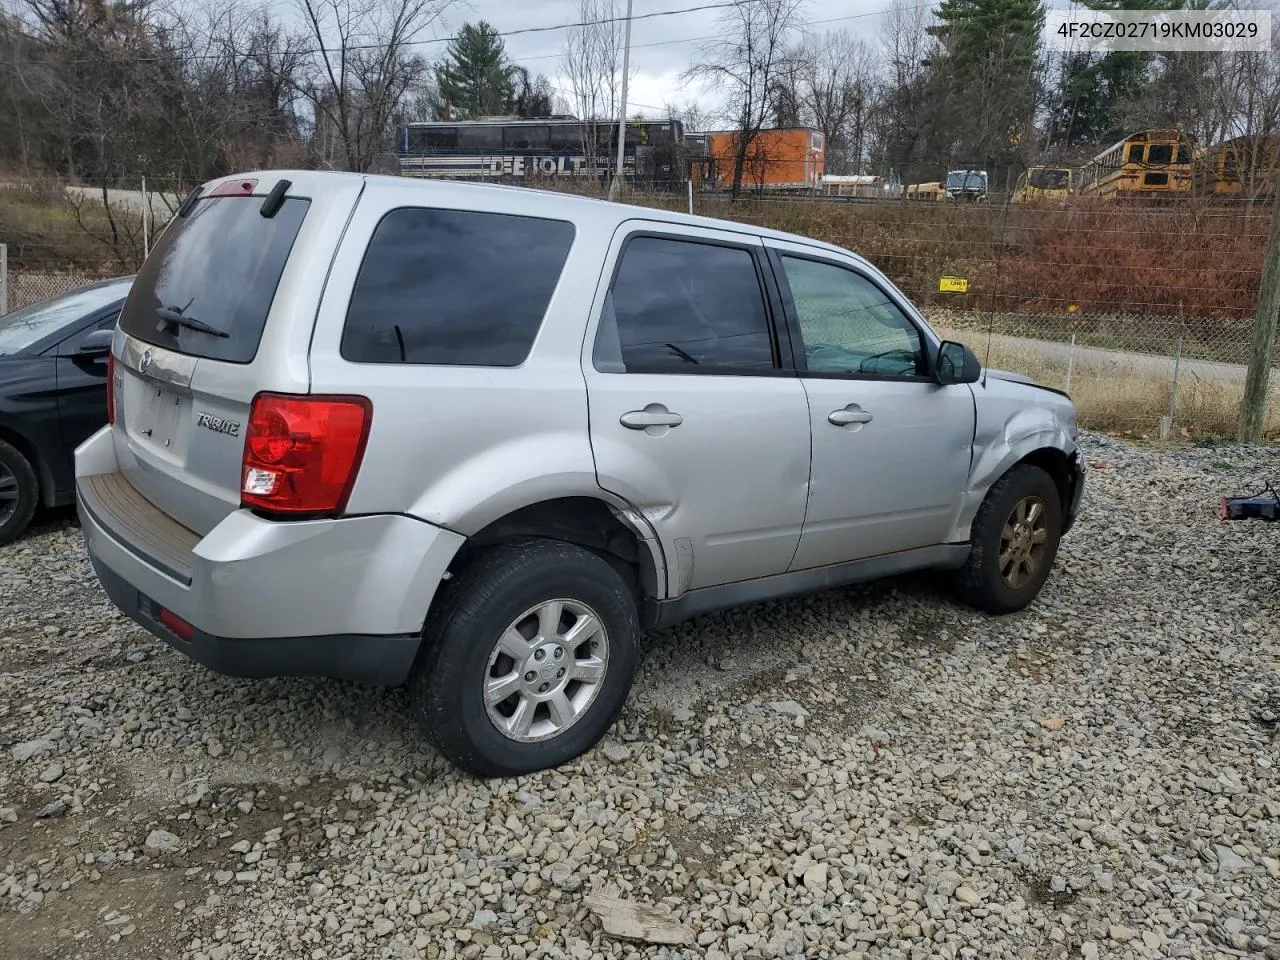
{"x":1014,"y":543}
{"x":19,"y":493}
{"x":527,"y":658}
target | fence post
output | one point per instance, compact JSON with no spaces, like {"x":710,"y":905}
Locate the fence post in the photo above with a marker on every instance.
{"x":1071,"y":362}
{"x":690,"y":182}
{"x":4,"y":279}
{"x":1253,"y":408}
{"x":1167,"y":426}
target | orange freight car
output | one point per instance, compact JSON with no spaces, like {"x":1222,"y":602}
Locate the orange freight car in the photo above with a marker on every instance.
{"x":776,"y":159}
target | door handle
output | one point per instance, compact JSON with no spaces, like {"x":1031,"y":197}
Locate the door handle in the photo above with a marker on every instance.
{"x":848,"y":415}
{"x":654,"y":415}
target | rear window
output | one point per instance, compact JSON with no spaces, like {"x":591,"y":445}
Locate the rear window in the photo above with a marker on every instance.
{"x":454,"y":287}
{"x":218,"y":266}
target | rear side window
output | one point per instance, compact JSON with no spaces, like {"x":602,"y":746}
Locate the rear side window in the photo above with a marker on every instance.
{"x":219,"y":266}
{"x":454,"y":287}
{"x":679,"y":306}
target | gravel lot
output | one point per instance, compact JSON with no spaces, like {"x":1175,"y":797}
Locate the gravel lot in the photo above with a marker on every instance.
{"x":875,"y":772}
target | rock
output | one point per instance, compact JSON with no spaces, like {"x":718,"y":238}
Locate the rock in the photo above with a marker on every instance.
{"x":162,"y":841}
{"x":1053,"y":723}
{"x":32,"y":748}
{"x":968,"y":896}
{"x":1089,"y":950}
{"x":617,"y":752}
{"x":1229,"y":862}
{"x":51,"y":773}
{"x":8,"y":815}
{"x":788,"y":708}
{"x":55,"y":808}
{"x":815,"y":878}
{"x":382,"y":927}
{"x":1121,"y":934}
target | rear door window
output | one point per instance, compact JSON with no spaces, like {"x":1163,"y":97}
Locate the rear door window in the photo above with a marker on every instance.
{"x":219,"y":266}
{"x":454,"y":287}
{"x":680,"y":306}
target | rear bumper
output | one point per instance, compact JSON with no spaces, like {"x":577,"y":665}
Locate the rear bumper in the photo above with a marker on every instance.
{"x":342,"y":598}
{"x":373,"y":660}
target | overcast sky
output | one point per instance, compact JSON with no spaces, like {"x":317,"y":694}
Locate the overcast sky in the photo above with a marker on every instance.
{"x":661,"y":47}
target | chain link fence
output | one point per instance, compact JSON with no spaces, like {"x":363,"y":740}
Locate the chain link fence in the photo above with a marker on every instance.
{"x":1144,"y":314}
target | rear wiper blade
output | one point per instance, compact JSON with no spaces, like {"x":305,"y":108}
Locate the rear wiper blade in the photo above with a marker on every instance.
{"x":171,"y":315}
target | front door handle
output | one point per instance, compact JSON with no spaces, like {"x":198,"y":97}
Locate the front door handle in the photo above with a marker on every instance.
{"x":849,"y":415}
{"x":654,"y":415}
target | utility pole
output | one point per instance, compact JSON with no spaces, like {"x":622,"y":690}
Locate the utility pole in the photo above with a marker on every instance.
{"x":1253,"y":409}
{"x":622,"y":108}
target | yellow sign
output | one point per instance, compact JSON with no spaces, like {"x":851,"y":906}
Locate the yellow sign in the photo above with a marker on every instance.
{"x":953,"y":285}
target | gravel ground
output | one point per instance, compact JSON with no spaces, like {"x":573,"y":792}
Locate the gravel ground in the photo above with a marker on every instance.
{"x":874,"y":772}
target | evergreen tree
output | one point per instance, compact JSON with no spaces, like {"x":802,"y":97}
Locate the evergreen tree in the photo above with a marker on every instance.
{"x":987,"y":78}
{"x":475,"y":79}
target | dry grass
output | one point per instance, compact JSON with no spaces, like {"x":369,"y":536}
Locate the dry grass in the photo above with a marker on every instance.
{"x":49,"y":231}
{"x":1110,"y":396}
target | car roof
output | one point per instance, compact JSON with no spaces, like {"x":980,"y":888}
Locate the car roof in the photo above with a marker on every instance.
{"x":566,"y":204}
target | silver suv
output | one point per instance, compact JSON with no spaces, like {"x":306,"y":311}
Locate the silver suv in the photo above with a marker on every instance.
{"x":476,"y":438}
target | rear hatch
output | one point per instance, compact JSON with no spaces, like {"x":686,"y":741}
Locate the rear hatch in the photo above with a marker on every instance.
{"x":222,"y":309}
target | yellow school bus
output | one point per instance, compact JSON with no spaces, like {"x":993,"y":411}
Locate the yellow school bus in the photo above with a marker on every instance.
{"x":1043,"y":183}
{"x":1150,"y":164}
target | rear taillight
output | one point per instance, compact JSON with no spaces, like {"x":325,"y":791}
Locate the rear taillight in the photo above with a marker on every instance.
{"x":302,"y":453}
{"x":111,"y":388}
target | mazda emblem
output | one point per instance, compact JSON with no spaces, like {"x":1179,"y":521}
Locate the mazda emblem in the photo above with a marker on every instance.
{"x":144,"y":362}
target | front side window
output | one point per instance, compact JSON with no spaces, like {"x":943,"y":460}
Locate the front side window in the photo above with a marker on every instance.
{"x":679,"y":306}
{"x":454,"y":287}
{"x":849,"y":326}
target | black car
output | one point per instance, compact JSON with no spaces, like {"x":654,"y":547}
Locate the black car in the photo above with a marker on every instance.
{"x":53,"y":395}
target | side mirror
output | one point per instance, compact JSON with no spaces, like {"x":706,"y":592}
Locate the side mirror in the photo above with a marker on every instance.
{"x":96,"y":344}
{"x":956,"y":363}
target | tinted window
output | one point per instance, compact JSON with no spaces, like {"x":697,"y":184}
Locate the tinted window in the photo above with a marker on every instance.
{"x":849,"y":325}
{"x":487,"y":139}
{"x":525,"y":138}
{"x":432,"y":138}
{"x":219,"y":265}
{"x":1135,"y":153}
{"x":454,"y":287}
{"x":685,"y":307}
{"x":1160,"y":153}
{"x":566,"y":138}
{"x":28,"y":326}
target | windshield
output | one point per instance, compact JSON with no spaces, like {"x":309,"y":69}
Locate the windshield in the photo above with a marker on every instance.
{"x":1049,"y":179}
{"x":965,"y":179}
{"x":23,"y":328}
{"x":207,"y":287}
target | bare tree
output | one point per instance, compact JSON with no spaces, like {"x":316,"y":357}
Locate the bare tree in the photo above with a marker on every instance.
{"x":362,"y":68}
{"x":839,"y":88}
{"x":592,"y":61}
{"x":753,"y":52}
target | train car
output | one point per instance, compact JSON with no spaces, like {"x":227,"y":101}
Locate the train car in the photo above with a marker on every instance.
{"x":1150,"y":164}
{"x":512,"y":148}
{"x":1043,"y":183}
{"x":777,"y":159}
{"x":1243,"y":168}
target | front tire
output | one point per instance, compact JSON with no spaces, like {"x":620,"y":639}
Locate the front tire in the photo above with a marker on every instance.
{"x":528,"y":656}
{"x":1015,"y":541}
{"x":19,"y":492}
